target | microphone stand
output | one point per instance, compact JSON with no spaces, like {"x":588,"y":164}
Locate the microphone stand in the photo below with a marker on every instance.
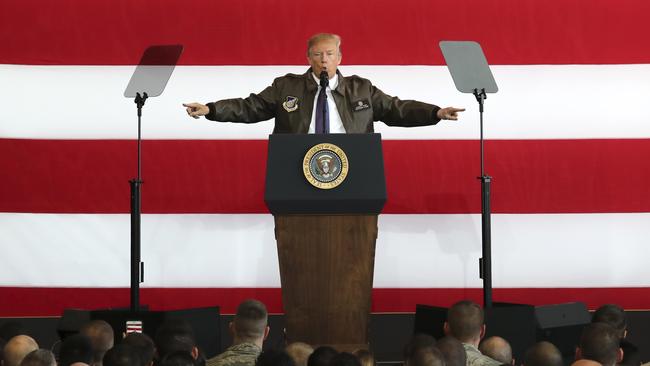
{"x":324,"y":82}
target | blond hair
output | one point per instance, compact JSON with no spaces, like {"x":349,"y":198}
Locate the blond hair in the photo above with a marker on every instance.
{"x":316,"y":38}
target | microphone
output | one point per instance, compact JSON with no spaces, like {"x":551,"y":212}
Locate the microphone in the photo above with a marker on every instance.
{"x":324,"y":79}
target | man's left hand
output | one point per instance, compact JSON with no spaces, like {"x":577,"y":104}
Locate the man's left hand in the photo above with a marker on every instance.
{"x":449,"y":113}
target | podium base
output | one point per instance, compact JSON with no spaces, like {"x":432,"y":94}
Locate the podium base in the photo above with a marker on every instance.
{"x":326,"y":269}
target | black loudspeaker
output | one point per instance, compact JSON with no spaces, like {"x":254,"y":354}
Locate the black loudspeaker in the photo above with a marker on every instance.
{"x":204,"y":322}
{"x":562,"y":324}
{"x":429,"y":320}
{"x":71,"y":321}
{"x":514,"y":323}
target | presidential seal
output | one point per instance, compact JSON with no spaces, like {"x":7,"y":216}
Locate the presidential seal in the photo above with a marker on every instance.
{"x":325,"y":166}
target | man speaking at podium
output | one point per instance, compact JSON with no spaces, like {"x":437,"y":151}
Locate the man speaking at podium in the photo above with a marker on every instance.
{"x":322,"y":100}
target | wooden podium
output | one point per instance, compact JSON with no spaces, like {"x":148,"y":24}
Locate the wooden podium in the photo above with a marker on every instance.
{"x":326,"y":238}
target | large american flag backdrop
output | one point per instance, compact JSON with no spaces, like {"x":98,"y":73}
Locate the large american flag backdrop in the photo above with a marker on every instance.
{"x":567,"y":146}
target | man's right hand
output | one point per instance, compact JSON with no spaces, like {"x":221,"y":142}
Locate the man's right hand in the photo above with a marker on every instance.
{"x":196,"y":110}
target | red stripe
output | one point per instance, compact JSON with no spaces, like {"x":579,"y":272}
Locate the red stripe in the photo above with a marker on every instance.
{"x":21,"y":301}
{"x":263,"y":32}
{"x":227,"y":176}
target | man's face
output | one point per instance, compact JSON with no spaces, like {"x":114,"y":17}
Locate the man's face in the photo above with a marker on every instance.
{"x":324,"y":55}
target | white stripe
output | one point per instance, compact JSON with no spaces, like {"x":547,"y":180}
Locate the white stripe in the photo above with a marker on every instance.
{"x":555,"y":250}
{"x":534,"y":102}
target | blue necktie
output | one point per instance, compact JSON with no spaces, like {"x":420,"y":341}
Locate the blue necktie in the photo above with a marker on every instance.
{"x":322,"y":109}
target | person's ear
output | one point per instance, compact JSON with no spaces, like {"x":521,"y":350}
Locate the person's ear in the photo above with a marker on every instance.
{"x":445,"y":328}
{"x":578,"y":354}
{"x":231,"y":329}
{"x":267,"y":330}
{"x":482,"y":331}
{"x":619,"y":355}
{"x":195,"y":352}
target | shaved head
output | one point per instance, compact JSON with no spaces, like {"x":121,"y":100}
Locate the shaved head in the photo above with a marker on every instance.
{"x":251,"y":320}
{"x":497,"y":348}
{"x":40,"y":357}
{"x":613,"y":315}
{"x":453,"y":351}
{"x":299,"y":352}
{"x":17,"y":348}
{"x":600,"y":342}
{"x":101,"y":338}
{"x":543,"y":354}
{"x":585,"y":362}
{"x":465,"y":321}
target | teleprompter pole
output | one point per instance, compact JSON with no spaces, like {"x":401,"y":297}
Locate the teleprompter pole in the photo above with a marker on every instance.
{"x":485,"y":262}
{"x":137,"y":266}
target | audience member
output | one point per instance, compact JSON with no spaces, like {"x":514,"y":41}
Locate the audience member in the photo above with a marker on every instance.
{"x":365,"y":357}
{"x":299,"y":352}
{"x":543,"y":354}
{"x":178,"y":358}
{"x":452,"y":350}
{"x":122,"y":355}
{"x":249,"y":329}
{"x":417,"y":342}
{"x":614,"y":315}
{"x":76,"y":348}
{"x":39,"y":357}
{"x":345,"y":359}
{"x":584,"y":362}
{"x":144,"y":346}
{"x":101,"y":337}
{"x":498,"y":349}
{"x":421,"y":351}
{"x":321,"y":356}
{"x":274,"y":358}
{"x":175,"y":335}
{"x":426,"y":356}
{"x":17,"y":348}
{"x":465,"y":322}
{"x":600,"y":342}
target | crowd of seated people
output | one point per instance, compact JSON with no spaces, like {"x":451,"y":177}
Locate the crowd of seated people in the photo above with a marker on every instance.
{"x":602,"y":343}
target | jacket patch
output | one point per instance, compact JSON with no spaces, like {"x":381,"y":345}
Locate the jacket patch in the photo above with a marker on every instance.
{"x":291,"y":104}
{"x":360,"y":105}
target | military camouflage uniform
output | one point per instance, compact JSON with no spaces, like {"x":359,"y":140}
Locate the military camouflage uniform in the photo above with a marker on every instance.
{"x":476,"y":358}
{"x":243,"y":354}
